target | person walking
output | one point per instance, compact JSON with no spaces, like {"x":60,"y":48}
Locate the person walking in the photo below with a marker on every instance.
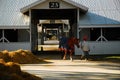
{"x":86,"y":49}
{"x":63,"y":45}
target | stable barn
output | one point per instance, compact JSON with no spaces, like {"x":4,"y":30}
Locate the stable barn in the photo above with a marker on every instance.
{"x":33,"y":24}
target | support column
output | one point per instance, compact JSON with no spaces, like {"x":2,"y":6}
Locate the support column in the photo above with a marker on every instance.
{"x":78,"y":19}
{"x":42,"y":37}
{"x":34,"y":33}
{"x":30,"y":28}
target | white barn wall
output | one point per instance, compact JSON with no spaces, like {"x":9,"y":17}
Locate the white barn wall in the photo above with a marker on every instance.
{"x":100,"y":48}
{"x":15,"y":46}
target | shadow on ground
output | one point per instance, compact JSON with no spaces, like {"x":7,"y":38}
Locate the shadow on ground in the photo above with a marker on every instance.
{"x":56,"y":55}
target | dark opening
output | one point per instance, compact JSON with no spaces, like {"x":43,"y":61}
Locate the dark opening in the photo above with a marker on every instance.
{"x":112,"y":34}
{"x":94,"y":34}
{"x":11,"y":35}
{"x":52,"y":25}
{"x":55,"y":14}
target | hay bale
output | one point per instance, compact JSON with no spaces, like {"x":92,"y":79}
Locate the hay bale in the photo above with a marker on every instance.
{"x":31,"y":57}
{"x":5,"y":55}
{"x":28,"y":76}
{"x":27,"y":51}
{"x":12,"y":71}
{"x":16,"y":57}
{"x":2,"y":61}
{"x":28,"y":57}
{"x":8,"y":76}
{"x":5,"y":51}
{"x":1,"y":54}
{"x":10,"y":67}
{"x":19,"y":50}
{"x":2,"y":67}
{"x":15,"y":76}
{"x":13,"y":67}
{"x":19,"y":56}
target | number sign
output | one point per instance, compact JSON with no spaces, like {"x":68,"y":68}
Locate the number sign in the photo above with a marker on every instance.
{"x":54,"y":5}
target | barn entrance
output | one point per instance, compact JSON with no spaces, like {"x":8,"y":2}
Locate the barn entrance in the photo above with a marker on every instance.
{"x":52,"y":11}
{"x":49,"y":24}
{"x":49,"y":32}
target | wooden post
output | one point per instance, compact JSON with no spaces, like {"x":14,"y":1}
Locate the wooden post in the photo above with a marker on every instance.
{"x":78,"y":19}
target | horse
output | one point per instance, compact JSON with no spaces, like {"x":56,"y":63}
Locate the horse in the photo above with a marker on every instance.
{"x":71,"y":42}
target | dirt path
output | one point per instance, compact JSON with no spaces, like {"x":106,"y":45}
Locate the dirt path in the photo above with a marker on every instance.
{"x":75,"y":70}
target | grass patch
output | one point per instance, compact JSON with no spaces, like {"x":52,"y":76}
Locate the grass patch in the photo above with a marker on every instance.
{"x":107,"y":58}
{"x":113,"y":57}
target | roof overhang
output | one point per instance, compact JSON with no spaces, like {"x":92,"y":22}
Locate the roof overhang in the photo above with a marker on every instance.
{"x":81,"y":7}
{"x":100,"y":26}
{"x":14,"y":27}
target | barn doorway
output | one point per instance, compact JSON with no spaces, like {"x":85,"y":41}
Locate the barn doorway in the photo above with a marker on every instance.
{"x":48,"y":25}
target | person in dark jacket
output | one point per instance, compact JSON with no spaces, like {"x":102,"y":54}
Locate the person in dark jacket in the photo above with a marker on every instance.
{"x":63,"y":45}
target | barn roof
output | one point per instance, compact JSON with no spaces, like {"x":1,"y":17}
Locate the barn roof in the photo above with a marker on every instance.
{"x":100,"y":12}
{"x":27,"y":7}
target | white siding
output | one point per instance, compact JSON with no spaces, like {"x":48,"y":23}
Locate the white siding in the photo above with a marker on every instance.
{"x":100,"y":48}
{"x":15,"y":46}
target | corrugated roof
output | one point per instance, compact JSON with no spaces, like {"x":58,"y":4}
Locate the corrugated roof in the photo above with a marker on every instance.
{"x":100,"y":12}
{"x":27,"y":7}
{"x":10,"y":15}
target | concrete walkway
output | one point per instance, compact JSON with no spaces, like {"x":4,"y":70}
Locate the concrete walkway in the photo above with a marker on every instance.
{"x":75,"y":70}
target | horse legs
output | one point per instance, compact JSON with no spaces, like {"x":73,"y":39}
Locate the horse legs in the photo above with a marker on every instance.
{"x":71,"y":55}
{"x":65,"y":53}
